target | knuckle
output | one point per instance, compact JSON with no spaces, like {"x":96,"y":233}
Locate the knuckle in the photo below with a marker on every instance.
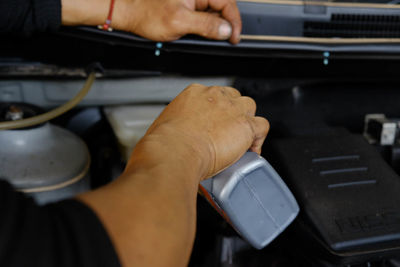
{"x":194,"y":87}
{"x":222,"y":93}
{"x":266,"y":124}
{"x":233,"y":90}
{"x":214,"y":89}
{"x":251,"y":103}
{"x":244,"y":120}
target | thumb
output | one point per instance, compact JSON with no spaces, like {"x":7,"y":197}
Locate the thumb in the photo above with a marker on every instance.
{"x":207,"y":25}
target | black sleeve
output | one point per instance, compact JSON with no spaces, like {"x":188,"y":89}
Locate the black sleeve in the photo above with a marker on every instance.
{"x":64,"y":234}
{"x":24,"y":17}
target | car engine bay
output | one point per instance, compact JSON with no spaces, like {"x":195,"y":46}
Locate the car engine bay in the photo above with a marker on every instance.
{"x":334,"y":138}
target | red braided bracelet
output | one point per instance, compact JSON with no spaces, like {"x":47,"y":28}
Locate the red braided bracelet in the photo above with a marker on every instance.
{"x":107,"y":25}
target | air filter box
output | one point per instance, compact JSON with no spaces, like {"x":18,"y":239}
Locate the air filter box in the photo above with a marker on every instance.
{"x":348,"y":195}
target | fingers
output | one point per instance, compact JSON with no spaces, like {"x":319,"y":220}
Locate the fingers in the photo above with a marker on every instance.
{"x":247,"y":104}
{"x":206,"y":25}
{"x":231,"y":14}
{"x":225,"y":91}
{"x":260,"y":128}
{"x":246,"y":107}
{"x":230,"y":91}
{"x":228,"y":26}
{"x":259,"y":125}
{"x":201,"y":5}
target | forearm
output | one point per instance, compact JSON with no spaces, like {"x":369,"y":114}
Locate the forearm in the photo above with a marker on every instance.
{"x":159,"y":20}
{"x":92,"y":12}
{"x":150,"y":211}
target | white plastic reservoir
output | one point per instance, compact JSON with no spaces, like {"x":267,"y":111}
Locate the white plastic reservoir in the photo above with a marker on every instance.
{"x":130,"y":123}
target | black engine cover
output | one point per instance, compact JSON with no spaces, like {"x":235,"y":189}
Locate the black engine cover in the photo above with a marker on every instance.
{"x":349,"y":196}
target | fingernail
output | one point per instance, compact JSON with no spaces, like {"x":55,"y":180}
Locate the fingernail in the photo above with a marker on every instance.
{"x":225,"y":30}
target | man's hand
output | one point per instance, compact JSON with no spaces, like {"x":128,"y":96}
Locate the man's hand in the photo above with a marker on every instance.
{"x":214,"y":124}
{"x":160,"y":20}
{"x":150,"y":210}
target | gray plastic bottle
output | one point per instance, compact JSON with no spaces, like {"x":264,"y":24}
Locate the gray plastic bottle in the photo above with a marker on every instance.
{"x":253,"y":198}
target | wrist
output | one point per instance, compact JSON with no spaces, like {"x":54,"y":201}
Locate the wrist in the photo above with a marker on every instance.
{"x":92,"y":12}
{"x":171,"y":151}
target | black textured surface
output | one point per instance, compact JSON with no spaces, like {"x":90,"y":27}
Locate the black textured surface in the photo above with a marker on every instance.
{"x":355,"y":26}
{"x":347,"y":193}
{"x":24,"y":17}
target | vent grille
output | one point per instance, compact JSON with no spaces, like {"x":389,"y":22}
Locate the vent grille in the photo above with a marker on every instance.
{"x":355,"y":26}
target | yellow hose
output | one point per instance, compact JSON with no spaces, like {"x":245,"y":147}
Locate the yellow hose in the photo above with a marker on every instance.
{"x":8,"y":125}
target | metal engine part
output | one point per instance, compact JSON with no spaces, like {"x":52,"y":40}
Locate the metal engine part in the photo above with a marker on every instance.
{"x":46,"y":162}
